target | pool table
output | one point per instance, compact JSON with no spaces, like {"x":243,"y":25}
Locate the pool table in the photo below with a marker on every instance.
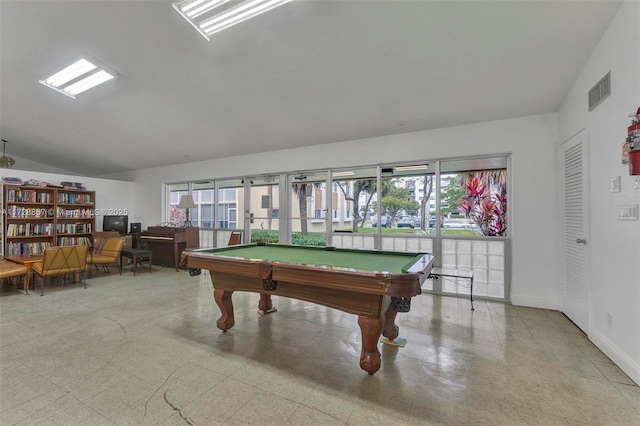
{"x":375,"y":285}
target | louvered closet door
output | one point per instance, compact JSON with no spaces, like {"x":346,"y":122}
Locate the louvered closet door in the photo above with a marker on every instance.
{"x":575,"y":243}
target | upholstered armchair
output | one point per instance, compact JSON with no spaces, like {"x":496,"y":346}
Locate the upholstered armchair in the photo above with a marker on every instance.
{"x":105,"y":252}
{"x":62,"y":260}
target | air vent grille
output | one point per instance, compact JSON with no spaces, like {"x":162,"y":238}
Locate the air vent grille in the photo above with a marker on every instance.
{"x":600,"y":91}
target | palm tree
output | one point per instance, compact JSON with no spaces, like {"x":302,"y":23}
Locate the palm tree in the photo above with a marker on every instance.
{"x":427,"y":180}
{"x":359,"y":186}
{"x":300,"y":189}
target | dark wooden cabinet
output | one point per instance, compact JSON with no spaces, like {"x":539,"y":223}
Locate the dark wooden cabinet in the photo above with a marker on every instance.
{"x":168,"y":242}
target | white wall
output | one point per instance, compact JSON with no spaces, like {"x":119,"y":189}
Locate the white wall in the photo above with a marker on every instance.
{"x":614,"y":245}
{"x":530,"y":140}
{"x":111,"y":195}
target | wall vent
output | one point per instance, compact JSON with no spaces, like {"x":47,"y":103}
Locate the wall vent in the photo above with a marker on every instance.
{"x":600,"y":91}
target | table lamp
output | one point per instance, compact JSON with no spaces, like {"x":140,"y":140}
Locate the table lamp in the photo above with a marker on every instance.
{"x":186,"y":202}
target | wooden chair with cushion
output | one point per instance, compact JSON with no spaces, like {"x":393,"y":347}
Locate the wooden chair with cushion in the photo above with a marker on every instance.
{"x":62,"y":260}
{"x":105,"y":252}
{"x":235,"y":238}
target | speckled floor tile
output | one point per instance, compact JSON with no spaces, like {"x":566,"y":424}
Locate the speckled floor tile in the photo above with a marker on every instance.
{"x":145,"y":350}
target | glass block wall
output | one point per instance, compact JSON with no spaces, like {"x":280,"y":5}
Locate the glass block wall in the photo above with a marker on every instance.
{"x":366,"y":242}
{"x":413,"y":244}
{"x":487,"y":260}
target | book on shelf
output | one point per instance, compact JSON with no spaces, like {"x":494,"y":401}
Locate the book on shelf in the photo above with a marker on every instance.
{"x":28,"y":196}
{"x":74,"y":198}
{"x":26,"y":248}
{"x":29,"y":229}
{"x":73,"y":185}
{"x":74,"y":241}
{"x":74,"y":228}
{"x":36,"y":182}
{"x":75,"y":213}
{"x":11,"y":180}
{"x":21,"y":212}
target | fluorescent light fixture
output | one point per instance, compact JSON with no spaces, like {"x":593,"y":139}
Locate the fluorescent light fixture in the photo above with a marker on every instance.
{"x":76,"y":78}
{"x":341,"y":174}
{"x":411,"y":168}
{"x":89,"y":82}
{"x":69,"y":73}
{"x":199,"y":7}
{"x":208,"y":17}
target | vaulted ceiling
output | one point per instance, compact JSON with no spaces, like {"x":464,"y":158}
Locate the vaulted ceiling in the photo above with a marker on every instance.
{"x":307,"y":73}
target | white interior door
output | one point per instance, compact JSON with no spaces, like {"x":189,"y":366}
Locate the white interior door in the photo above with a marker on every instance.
{"x":575,"y":282}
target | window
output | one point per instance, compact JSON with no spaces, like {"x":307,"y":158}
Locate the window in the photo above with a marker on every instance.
{"x":227,"y":216}
{"x":355,"y":191}
{"x":264,"y":201}
{"x":230,"y":201}
{"x":400,"y":209}
{"x":307,"y":208}
{"x":474,"y":197}
{"x":177,"y":216}
{"x":204,"y":197}
{"x":456,"y":209}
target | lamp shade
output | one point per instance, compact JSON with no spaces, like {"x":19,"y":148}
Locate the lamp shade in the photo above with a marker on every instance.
{"x":186,"y":202}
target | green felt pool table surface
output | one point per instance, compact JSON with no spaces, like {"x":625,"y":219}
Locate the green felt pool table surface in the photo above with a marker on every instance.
{"x":394,"y":262}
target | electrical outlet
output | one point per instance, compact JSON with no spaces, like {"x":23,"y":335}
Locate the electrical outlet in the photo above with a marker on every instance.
{"x":629,"y":212}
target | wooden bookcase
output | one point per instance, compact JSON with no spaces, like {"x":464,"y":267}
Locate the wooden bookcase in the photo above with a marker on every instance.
{"x":37,"y":217}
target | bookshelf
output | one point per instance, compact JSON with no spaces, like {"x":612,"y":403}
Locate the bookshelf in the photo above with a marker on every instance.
{"x":38,"y":217}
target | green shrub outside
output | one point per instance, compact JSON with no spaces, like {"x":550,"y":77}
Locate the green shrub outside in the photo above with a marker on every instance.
{"x":264,"y":236}
{"x":319,"y":239}
{"x":309,"y":239}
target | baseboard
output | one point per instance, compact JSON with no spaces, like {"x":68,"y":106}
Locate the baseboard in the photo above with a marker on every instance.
{"x":533,"y":302}
{"x":631,"y":368}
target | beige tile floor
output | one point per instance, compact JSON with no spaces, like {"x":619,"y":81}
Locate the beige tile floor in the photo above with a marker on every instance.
{"x":145,"y":350}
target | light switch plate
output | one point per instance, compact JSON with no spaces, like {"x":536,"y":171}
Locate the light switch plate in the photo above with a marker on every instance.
{"x":615,"y":184}
{"x":629,"y":212}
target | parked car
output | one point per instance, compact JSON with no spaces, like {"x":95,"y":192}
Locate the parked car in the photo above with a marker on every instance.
{"x":459,"y":224}
{"x":384,"y":223}
{"x":406,"y":222}
{"x":432,"y":222}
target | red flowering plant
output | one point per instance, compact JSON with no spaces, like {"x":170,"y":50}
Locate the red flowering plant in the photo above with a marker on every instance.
{"x":485,"y":201}
{"x":176,"y":215}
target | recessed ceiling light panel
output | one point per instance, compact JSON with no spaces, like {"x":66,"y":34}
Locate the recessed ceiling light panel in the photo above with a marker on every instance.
{"x":78,"y":77}
{"x":210,"y":16}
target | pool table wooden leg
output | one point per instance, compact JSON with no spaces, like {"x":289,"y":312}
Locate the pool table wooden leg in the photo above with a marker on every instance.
{"x":265,"y":306}
{"x":390,"y":329}
{"x":371,"y":329}
{"x":224,"y":302}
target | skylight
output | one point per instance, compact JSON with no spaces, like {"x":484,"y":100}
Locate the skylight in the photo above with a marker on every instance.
{"x":210,"y":16}
{"x":78,"y":77}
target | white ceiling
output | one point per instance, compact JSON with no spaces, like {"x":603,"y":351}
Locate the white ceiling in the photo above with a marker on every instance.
{"x":307,"y":73}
